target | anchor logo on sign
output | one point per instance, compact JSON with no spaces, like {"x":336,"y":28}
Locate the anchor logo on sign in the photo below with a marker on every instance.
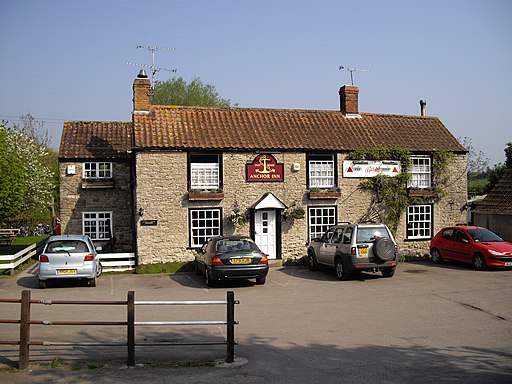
{"x":267,"y":168}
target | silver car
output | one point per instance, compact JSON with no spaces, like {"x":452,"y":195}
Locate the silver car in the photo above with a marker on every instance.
{"x":352,"y":248}
{"x":69,"y":257}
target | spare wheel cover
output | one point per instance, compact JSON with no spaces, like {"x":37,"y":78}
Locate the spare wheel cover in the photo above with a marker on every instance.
{"x":384,"y":248}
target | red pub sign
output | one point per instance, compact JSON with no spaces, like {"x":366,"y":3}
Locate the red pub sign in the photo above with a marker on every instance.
{"x":265,"y":168}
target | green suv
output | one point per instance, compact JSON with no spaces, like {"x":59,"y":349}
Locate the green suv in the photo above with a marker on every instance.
{"x":353,"y":248}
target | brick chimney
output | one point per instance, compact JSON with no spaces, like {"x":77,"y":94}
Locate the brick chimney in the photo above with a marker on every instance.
{"x":141,"y":93}
{"x":349,"y":100}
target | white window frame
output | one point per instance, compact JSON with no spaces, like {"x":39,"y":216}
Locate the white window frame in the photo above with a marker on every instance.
{"x":320,"y":219}
{"x":94,"y":224}
{"x":94,"y":170}
{"x":419,"y":221}
{"x":421,"y":172}
{"x":203,"y":224}
{"x":321,"y":173}
{"x":204,"y":176}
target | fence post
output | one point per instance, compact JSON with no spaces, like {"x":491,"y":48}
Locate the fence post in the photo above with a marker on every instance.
{"x":230,"y":354}
{"x":24,"y":330}
{"x":130,"y":307}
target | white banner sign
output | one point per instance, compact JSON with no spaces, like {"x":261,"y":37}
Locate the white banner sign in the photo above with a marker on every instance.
{"x":370,"y":168}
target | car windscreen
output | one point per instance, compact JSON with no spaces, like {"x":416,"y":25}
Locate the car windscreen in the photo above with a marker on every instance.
{"x":236,"y":245}
{"x":69,"y":246}
{"x":369,"y":234}
{"x":484,"y":235}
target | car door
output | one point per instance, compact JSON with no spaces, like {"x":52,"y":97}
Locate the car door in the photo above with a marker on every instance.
{"x":327,"y":248}
{"x":461,"y":248}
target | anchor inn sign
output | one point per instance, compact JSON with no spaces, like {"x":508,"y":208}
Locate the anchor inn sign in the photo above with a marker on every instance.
{"x":185,"y":169}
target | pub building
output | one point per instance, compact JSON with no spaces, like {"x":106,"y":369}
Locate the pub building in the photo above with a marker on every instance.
{"x":162,"y":184}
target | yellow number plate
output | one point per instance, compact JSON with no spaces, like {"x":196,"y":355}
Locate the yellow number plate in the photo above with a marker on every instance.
{"x":242,"y":260}
{"x":66,"y":272}
{"x":363,"y":251}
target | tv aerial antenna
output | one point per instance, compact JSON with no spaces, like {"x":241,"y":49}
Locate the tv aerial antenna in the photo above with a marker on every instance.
{"x":154,"y":69}
{"x":352,"y":70}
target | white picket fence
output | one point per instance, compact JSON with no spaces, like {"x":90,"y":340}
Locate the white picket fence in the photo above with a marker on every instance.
{"x":111,"y":262}
{"x":117,"y":262}
{"x":18,"y":258}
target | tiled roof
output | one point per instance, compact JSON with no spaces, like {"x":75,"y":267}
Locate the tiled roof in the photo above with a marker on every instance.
{"x":275,"y":129}
{"x":499,"y":200}
{"x":96,"y":139}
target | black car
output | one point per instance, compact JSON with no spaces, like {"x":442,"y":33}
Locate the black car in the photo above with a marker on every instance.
{"x":231,"y":258}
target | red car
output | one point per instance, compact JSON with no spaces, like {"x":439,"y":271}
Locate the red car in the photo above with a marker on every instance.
{"x":473,"y":245}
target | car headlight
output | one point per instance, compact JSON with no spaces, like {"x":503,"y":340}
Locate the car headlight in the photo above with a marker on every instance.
{"x":496,"y":253}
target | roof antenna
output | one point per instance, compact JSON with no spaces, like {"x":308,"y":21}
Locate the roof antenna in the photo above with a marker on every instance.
{"x":352,"y":70}
{"x":154,"y":69}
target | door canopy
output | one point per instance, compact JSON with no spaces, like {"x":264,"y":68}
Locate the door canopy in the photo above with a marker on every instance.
{"x":269,"y":201}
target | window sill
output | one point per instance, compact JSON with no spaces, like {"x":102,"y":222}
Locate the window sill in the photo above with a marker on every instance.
{"x":97,"y":183}
{"x":324,"y":195}
{"x":201,"y":196}
{"x":422,"y":193}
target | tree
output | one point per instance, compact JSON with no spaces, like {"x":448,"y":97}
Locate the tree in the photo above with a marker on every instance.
{"x":477,"y":162}
{"x":176,"y":91}
{"x":498,"y":171}
{"x":29,"y":171}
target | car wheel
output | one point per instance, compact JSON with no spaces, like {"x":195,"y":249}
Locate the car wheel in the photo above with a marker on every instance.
{"x":388,"y":272}
{"x":42,"y":284}
{"x":384,"y":248}
{"x":99,"y":270}
{"x":479,"y":262}
{"x":312,"y":263}
{"x":261,"y":280}
{"x":435,"y":255}
{"x":341,"y":272}
{"x":92,"y":282}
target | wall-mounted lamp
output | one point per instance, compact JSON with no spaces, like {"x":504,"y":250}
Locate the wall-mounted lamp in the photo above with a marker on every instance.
{"x":141,"y":211}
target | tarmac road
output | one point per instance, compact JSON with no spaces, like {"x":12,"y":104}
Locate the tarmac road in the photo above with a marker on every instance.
{"x":427,"y":324}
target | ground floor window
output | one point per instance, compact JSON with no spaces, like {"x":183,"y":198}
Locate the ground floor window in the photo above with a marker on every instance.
{"x":203,"y":224}
{"x":419,"y":221}
{"x":97,"y":225}
{"x":320,"y":220}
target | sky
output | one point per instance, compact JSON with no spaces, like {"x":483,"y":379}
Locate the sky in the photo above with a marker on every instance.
{"x":66,"y":59}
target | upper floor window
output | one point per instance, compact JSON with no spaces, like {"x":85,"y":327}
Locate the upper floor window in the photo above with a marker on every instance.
{"x":97,"y":170}
{"x":421,"y":172}
{"x":321,"y":170}
{"x":204,"y":171}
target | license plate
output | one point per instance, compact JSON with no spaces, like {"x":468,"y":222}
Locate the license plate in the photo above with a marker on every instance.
{"x":241,"y":260}
{"x":66,"y":272}
{"x":508,"y":264}
{"x":363,"y":251}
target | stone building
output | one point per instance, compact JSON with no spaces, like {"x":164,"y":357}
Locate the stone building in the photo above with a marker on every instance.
{"x":174,"y":176}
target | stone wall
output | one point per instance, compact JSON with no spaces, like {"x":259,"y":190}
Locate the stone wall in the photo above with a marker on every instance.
{"x":78,"y":196}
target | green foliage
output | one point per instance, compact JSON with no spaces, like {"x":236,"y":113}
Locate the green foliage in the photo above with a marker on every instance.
{"x":382,"y":153}
{"x":390,"y":193}
{"x":177,"y":91}
{"x":55,"y":363}
{"x":29,"y":169}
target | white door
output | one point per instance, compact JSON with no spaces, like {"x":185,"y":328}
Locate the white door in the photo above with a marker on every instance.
{"x":265,"y":231}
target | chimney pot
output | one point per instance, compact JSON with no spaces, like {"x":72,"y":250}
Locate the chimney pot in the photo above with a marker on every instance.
{"x":423,"y":107}
{"x":142,"y":74}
